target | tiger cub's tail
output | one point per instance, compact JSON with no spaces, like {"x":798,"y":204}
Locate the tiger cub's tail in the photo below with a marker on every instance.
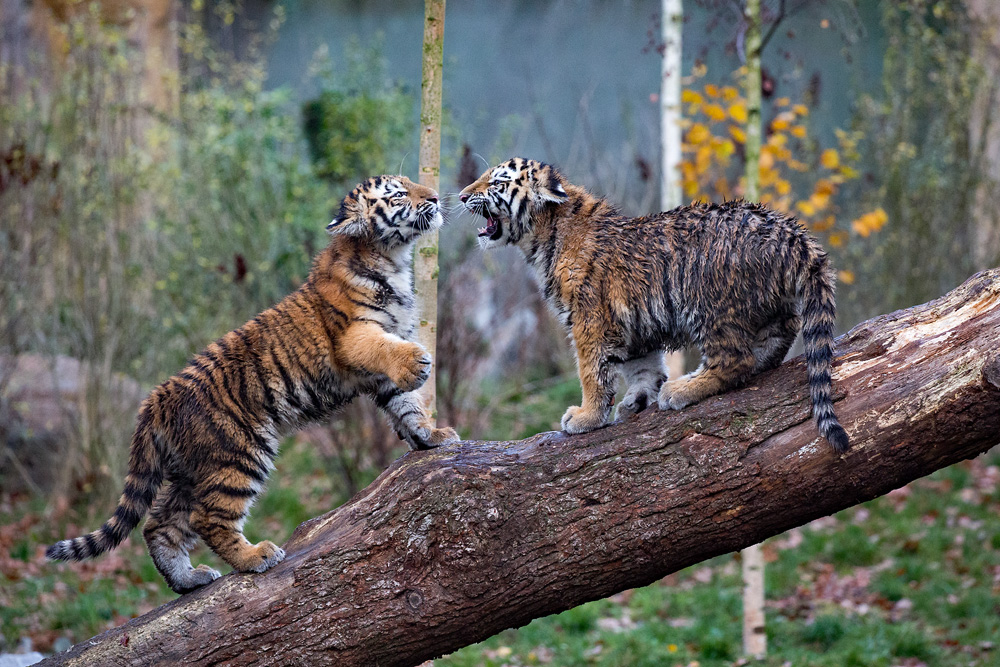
{"x":145,"y":475}
{"x":818,"y":318}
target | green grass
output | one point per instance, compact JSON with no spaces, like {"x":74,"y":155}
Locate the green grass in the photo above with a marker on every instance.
{"x":911,"y":577}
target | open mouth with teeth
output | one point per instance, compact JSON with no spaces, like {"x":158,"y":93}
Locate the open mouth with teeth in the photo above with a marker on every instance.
{"x":493,"y":229}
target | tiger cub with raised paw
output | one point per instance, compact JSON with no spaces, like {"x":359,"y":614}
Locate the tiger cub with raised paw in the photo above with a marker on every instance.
{"x":737,"y":280}
{"x":211,"y":432}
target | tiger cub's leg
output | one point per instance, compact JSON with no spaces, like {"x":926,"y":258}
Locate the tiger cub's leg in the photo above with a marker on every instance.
{"x":643,"y":378}
{"x":598,"y":388}
{"x":366,"y":345}
{"x":223,"y":503}
{"x":169,"y":538}
{"x":773,"y":342}
{"x":728,"y":362}
{"x":410,"y":420}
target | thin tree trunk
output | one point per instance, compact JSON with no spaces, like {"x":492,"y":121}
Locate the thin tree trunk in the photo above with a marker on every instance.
{"x":670,"y":127}
{"x":452,"y":545}
{"x":754,"y":635}
{"x":425,"y":264}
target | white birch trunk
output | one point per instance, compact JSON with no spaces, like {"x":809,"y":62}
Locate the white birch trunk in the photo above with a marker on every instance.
{"x":754,"y":636}
{"x":670,"y":127}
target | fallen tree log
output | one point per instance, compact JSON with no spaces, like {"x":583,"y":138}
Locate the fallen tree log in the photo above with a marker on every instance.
{"x":450,"y":546}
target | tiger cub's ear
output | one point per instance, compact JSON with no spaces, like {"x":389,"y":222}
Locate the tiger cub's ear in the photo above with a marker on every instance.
{"x":548,"y":185}
{"x":349,"y":225}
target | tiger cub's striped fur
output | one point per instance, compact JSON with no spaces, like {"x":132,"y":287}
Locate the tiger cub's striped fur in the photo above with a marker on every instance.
{"x":211,"y":432}
{"x":737,"y":280}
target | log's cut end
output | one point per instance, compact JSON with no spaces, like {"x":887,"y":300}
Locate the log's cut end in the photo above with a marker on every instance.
{"x":452,"y":545}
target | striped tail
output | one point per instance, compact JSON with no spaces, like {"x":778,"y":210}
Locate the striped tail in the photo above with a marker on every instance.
{"x":145,"y":474}
{"x":818,"y":318}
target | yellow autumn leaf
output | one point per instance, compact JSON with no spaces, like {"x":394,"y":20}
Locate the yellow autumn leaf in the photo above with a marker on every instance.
{"x":782,"y":187}
{"x":767,"y":177}
{"x":715,"y":112}
{"x":824,"y":187}
{"x":780,"y":125}
{"x":830,"y":158}
{"x":836,"y":239}
{"x":825,"y":224}
{"x":729,"y":93}
{"x":691,"y":97}
{"x":849,"y":173}
{"x":782,"y":102}
{"x":805,"y":208}
{"x":819,"y":201}
{"x":777,"y":139}
{"x":712,"y":90}
{"x":798,"y":131}
{"x":846,"y":277}
{"x":698,"y":133}
{"x":738,"y":134}
{"x":798,"y":166}
{"x":801,"y":109}
{"x":738,"y":111}
{"x":703,"y":159}
{"x":766,"y":159}
{"x":870,"y":222}
{"x":723,"y":148}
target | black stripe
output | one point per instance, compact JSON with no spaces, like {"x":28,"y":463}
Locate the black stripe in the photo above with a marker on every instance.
{"x":226,"y":489}
{"x":226,"y":515}
{"x":209,"y":400}
{"x":127,"y":517}
{"x":269,"y":404}
{"x":289,"y":394}
{"x":250,"y":471}
{"x":92,"y":546}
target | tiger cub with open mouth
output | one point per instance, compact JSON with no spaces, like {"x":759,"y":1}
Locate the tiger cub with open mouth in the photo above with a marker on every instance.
{"x":737,"y":280}
{"x":212,"y":430}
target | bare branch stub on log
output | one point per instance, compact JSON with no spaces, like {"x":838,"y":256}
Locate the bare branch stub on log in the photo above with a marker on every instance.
{"x":450,"y":546}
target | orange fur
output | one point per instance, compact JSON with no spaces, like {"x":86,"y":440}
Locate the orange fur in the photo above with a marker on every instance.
{"x":736,"y":280}
{"x":211,"y":432}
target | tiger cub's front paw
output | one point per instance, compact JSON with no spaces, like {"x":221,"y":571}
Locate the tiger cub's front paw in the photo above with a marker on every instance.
{"x":426,"y":438}
{"x":414,"y":368}
{"x":579,"y":420}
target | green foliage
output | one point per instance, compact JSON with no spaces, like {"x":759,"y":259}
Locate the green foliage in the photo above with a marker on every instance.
{"x":925,"y":158}
{"x":361,"y":121}
{"x":130,"y":240}
{"x":239,"y":216}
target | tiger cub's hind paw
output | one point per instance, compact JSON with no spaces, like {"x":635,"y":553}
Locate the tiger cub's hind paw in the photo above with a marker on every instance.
{"x":194,"y":578}
{"x":634,"y":402}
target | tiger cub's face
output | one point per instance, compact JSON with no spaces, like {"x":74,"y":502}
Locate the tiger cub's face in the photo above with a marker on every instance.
{"x":388,"y":210}
{"x":509,"y":195}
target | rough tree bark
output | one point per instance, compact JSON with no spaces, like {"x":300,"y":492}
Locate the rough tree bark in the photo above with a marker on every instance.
{"x":450,"y":546}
